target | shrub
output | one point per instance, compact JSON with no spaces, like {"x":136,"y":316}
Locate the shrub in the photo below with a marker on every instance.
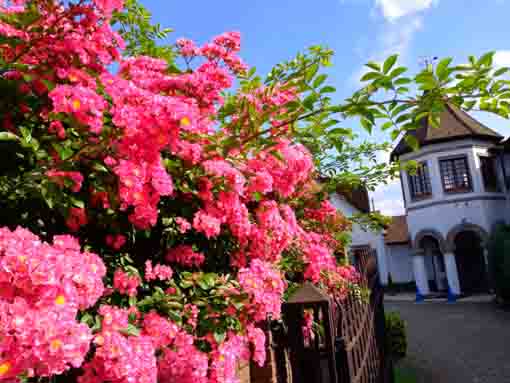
{"x":396,"y":336}
{"x":149,"y":218}
{"x":499,"y":251}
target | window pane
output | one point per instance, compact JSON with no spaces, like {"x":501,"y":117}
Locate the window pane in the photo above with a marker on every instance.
{"x":419,"y":183}
{"x":490,"y":179}
{"x":455,"y":174}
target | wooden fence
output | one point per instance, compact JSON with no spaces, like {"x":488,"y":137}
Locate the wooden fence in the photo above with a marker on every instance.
{"x":350,"y":348}
{"x":362,"y":357}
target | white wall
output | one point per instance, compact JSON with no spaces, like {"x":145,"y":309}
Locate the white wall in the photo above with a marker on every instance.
{"x":443,"y":217}
{"x":400,"y":263}
{"x":361,"y":237}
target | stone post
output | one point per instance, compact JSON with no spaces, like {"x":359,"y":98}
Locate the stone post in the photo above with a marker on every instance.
{"x":420,"y":276}
{"x":452,"y":274}
{"x":489,"y":271}
{"x":266,"y":373}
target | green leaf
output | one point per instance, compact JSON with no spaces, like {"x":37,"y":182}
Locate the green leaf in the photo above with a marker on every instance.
{"x":8,"y":136}
{"x":433,"y":120}
{"x":174,"y":316}
{"x":375,"y":66}
{"x":130,"y":330}
{"x":442,"y":68}
{"x":398,"y":71}
{"x":412,"y":141}
{"x":501,"y":71}
{"x":403,"y":117}
{"x":185,"y":284}
{"x":319,"y":80}
{"x":311,"y":72}
{"x":207,"y":281}
{"x":399,"y":109}
{"x":386,"y":125}
{"x":100,"y":167}
{"x":64,"y":152}
{"x":420,"y":116}
{"x":340,"y":132}
{"x":310,"y":101}
{"x":77,"y":203}
{"x":49,"y":84}
{"x":26,"y":133}
{"x":219,"y":337}
{"x":388,"y":64}
{"x":367,"y":125}
{"x":328,"y":89}
{"x":88,"y":319}
{"x":486,"y":59}
{"x":424,"y":77}
{"x":402,"y":81}
{"x":370,"y":76}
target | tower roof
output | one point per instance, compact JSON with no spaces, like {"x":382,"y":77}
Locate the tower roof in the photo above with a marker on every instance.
{"x":454,"y":124}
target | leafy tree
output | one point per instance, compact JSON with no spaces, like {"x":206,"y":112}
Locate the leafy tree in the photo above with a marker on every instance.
{"x":162,"y":215}
{"x":141,"y":35}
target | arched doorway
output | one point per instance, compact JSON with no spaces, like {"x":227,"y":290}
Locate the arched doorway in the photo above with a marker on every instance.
{"x":434,"y":263}
{"x":470,"y":262}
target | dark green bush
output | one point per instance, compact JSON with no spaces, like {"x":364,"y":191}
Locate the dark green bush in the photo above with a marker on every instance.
{"x":396,"y":336}
{"x":499,"y":252}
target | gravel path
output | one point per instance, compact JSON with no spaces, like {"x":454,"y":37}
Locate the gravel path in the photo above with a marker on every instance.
{"x":463,"y":342}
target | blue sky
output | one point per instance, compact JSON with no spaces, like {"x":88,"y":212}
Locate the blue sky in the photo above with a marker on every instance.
{"x":357,"y":30}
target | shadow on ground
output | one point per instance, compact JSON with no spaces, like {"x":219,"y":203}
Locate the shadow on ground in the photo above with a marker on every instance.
{"x":462,"y":342}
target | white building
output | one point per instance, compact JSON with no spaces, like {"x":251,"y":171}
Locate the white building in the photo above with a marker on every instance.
{"x":453,"y":202}
{"x":354,"y":202}
{"x":398,"y":261}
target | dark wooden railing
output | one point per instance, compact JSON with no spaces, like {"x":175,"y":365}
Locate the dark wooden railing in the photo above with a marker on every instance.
{"x":361,"y":354}
{"x":351,"y":346}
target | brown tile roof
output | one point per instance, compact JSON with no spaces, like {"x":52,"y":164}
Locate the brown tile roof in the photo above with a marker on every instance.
{"x":454,"y":124}
{"x":358,"y":197}
{"x":397,"y":232}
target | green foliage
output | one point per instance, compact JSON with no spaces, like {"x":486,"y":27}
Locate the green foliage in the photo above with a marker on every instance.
{"x":396,"y":336}
{"x":400,"y":102}
{"x":373,"y":221}
{"x":499,"y":253}
{"x":142,"y":37}
{"x":405,"y":374}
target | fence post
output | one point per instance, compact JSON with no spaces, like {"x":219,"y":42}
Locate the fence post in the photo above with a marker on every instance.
{"x":267,"y":373}
{"x":312,"y":361}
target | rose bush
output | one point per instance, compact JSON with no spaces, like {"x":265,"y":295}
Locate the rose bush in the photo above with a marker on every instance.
{"x":164,"y":219}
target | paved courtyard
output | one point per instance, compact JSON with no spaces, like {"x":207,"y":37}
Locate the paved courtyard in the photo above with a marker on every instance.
{"x":465,"y":342}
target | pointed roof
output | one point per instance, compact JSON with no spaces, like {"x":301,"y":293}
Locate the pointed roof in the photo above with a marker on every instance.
{"x":397,"y":233}
{"x":454,"y":124}
{"x":356,"y":196}
{"x":308,"y":293}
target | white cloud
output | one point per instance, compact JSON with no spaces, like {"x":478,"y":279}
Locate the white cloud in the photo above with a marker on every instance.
{"x":395,"y":38}
{"x":388,"y":199}
{"x":395,"y":9}
{"x":390,"y":207}
{"x":502,"y":58}
{"x":398,"y":32}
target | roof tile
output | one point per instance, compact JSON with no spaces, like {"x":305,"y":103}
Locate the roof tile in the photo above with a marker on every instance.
{"x":454,"y":124}
{"x":397,"y":232}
